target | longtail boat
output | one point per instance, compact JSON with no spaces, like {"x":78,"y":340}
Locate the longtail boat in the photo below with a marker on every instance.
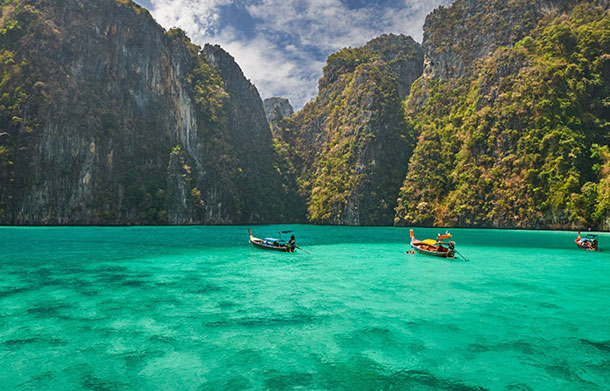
{"x":270,"y":244}
{"x":589,"y":242}
{"x":435,"y":247}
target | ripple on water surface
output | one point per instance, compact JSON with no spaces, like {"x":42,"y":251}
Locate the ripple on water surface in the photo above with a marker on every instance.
{"x":193,"y":308}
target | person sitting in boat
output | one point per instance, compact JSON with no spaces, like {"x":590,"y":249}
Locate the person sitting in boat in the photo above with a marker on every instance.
{"x":585,"y":242}
{"x":292,"y":243}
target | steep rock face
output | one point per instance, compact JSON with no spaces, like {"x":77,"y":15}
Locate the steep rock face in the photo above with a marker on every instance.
{"x":456,"y":36}
{"x":279,"y":113}
{"x":106,"y":118}
{"x":598,"y":194}
{"x":252,"y":142}
{"x":278,"y":108}
{"x":351,"y":144}
{"x":511,"y":140}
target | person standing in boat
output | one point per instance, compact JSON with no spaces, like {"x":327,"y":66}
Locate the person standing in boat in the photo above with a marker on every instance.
{"x":292,"y":244}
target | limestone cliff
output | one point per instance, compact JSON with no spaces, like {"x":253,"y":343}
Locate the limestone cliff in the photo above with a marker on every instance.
{"x":500,"y":119}
{"x":351,"y":144}
{"x":510,"y":117}
{"x":105,"y":118}
{"x":277,"y":108}
{"x":456,"y":36}
{"x":279,"y":112}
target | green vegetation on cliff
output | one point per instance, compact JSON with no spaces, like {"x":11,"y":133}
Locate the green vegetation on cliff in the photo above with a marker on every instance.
{"x":286,"y":166}
{"x":105,"y":118}
{"x":18,"y":77}
{"x":455,"y":37}
{"x":597,"y":195}
{"x":356,"y":177}
{"x":350,"y":146}
{"x":513,"y":143}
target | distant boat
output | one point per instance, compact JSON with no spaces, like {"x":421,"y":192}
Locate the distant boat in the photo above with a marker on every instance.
{"x":436,"y":248}
{"x":589,"y":242}
{"x":270,"y":243}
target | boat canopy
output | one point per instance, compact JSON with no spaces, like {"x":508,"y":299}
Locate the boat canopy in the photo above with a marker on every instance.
{"x":274,"y":240}
{"x":430,"y":242}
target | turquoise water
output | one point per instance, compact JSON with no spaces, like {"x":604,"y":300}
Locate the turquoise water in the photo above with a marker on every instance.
{"x":197,"y":308}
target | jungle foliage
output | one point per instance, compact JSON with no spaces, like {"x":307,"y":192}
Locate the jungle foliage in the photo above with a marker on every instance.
{"x":106,"y":118}
{"x":516,"y":143}
{"x":350,"y":146}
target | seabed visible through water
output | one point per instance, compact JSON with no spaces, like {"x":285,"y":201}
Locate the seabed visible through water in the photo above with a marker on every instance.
{"x":198,"y":308}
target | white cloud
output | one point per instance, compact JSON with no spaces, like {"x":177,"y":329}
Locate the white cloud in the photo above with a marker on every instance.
{"x":325,"y":24}
{"x":275,"y":70}
{"x":286,"y":53}
{"x":271,"y":69}
{"x":198,"y":18}
{"x":331,"y":25}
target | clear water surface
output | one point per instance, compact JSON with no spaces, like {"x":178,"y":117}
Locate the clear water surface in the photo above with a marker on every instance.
{"x":198,"y":308}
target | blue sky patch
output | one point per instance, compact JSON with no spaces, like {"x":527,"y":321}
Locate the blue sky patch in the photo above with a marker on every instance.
{"x":282,"y":45}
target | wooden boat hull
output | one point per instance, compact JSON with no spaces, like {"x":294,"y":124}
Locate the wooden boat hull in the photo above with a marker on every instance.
{"x":588,"y":247}
{"x":439,"y":254}
{"x":434,"y":248}
{"x":260,"y":243}
{"x":271,"y":248}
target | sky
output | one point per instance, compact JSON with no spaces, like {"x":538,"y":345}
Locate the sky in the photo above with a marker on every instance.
{"x":282,"y":45}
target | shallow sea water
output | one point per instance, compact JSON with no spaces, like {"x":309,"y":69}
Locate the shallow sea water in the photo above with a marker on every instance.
{"x":198,"y":308}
